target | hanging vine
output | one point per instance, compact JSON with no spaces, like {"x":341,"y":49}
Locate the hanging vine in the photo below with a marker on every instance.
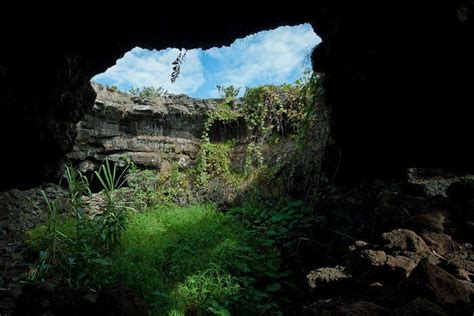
{"x":177,"y":65}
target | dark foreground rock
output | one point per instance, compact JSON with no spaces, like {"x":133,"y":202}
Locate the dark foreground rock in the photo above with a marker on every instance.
{"x":119,"y":300}
{"x":340,"y":308}
{"x":115,"y":300}
{"x":435,"y":284}
{"x":417,"y":257}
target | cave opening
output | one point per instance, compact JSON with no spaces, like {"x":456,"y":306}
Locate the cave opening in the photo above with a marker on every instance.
{"x":275,"y":56}
{"x":142,"y":98}
{"x":388,"y":226}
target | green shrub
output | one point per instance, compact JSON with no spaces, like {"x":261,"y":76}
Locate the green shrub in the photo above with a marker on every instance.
{"x":146,"y":93}
{"x":70,"y":250}
{"x":174,"y":187}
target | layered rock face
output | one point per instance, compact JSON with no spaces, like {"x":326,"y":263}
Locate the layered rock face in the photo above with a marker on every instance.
{"x":153,"y":133}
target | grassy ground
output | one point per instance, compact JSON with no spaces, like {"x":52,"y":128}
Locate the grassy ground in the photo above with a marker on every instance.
{"x":195,"y":260}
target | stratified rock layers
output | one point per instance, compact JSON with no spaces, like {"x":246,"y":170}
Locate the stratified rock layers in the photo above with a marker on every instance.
{"x":152,"y":133}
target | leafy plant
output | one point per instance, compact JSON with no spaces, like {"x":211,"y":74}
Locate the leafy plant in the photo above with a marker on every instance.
{"x":78,"y":186}
{"x":71,"y":249}
{"x":52,"y":242}
{"x":228,"y":93}
{"x":112,"y":221}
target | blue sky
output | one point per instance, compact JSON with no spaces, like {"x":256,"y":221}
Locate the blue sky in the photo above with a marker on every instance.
{"x":276,"y":56}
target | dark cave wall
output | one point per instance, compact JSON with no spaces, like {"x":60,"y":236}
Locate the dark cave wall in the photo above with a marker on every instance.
{"x":399,"y":80}
{"x":41,"y":104}
{"x":397,"y":76}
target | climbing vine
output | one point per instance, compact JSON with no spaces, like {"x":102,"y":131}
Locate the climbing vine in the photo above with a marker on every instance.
{"x":269,"y":113}
{"x":213,"y":159}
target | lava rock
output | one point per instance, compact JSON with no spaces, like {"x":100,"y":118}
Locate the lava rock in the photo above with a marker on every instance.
{"x":322,"y":277}
{"x":400,"y":266}
{"x":433,"y":283}
{"x":405,"y":242}
{"x":440,"y":243}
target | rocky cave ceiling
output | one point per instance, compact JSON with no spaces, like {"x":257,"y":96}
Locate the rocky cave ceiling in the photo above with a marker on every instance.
{"x":397,"y":77}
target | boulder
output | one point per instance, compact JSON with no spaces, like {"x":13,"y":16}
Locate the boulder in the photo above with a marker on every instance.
{"x":460,"y":263}
{"x":322,"y":277}
{"x":433,"y":283}
{"x":438,"y":242}
{"x":405,"y":242}
{"x":374,"y":258}
{"x":387,"y":266}
{"x":400,"y":266}
{"x":358,"y":244}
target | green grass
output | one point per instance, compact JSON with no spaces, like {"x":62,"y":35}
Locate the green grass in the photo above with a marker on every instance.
{"x":192,"y":260}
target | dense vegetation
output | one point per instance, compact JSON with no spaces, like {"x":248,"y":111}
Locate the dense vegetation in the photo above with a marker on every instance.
{"x":218,"y":238}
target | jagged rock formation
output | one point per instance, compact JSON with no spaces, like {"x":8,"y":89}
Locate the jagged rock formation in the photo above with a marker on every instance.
{"x":153,"y":134}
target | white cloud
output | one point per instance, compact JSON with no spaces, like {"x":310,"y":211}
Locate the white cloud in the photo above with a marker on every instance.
{"x":275,"y":56}
{"x":140,"y":67}
{"x":267,"y":56}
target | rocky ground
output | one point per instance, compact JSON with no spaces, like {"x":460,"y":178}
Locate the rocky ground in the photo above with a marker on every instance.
{"x":400,"y":248}
{"x":19,"y":211}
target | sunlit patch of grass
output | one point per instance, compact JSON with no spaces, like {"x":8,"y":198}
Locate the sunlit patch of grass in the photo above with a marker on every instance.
{"x":181,"y":259}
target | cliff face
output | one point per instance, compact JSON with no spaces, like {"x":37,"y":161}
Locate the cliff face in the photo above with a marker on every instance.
{"x":153,"y":133}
